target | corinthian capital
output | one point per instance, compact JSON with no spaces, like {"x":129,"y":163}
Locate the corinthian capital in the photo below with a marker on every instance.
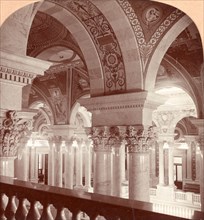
{"x":138,"y":139}
{"x":12,"y":131}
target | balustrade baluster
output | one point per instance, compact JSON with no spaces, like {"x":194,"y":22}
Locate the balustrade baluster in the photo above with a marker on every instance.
{"x":11,"y":208}
{"x":46,"y":215}
{"x":22,"y":211}
{"x":33,"y":213}
{"x":60,"y":214}
{"x":2,"y":206}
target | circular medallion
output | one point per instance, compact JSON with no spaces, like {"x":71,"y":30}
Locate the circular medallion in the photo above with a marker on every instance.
{"x":152,"y":15}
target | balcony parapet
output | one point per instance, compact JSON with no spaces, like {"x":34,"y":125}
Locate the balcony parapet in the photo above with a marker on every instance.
{"x":75,"y":201}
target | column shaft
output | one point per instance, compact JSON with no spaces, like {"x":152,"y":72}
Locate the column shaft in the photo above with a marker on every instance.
{"x":88,"y":162}
{"x":79,"y":164}
{"x":33,"y":165}
{"x":58,"y":166}
{"x":51,"y":165}
{"x":69,"y":166}
{"x":117,"y":175}
{"x":161,"y":164}
{"x":102,"y":169}
{"x":171,"y":165}
{"x":139,"y":176}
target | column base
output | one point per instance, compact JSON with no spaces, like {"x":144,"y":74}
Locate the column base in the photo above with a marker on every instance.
{"x":79,"y":187}
{"x":88,"y":188}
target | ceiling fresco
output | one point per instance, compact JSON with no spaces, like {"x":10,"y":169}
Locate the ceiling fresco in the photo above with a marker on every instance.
{"x":48,"y":37}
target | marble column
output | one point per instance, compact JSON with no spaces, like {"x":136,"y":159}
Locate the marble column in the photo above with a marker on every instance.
{"x":79,"y":163}
{"x":171,"y":165}
{"x":58,"y":161}
{"x":117,"y":177}
{"x":161,"y":163}
{"x":69,"y":164}
{"x":189,"y":140}
{"x":122,"y":164}
{"x":138,"y":141}
{"x":116,"y":140}
{"x":88,"y":162}
{"x":51,"y":165}
{"x":7,"y":166}
{"x":153,"y":178}
{"x":33,"y":171}
{"x":102,"y":160}
{"x":22,"y":162}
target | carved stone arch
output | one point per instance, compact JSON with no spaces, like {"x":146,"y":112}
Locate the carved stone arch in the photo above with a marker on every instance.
{"x":84,"y":41}
{"x":126,"y":38}
{"x":158,"y":55}
{"x":15,"y":29}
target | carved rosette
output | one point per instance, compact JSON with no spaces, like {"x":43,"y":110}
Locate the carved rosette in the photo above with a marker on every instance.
{"x":12,"y":133}
{"x":104,"y":138}
{"x":139,"y":139}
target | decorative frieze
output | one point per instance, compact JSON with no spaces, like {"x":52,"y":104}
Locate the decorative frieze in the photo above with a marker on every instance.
{"x":12,"y":131}
{"x":15,"y":75}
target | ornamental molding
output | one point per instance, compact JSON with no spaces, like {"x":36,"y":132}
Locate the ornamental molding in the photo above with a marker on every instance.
{"x":146,"y":48}
{"x":166,"y":120}
{"x":104,"y":39}
{"x":137,"y":100}
{"x":15,"y":75}
{"x":13,"y":132}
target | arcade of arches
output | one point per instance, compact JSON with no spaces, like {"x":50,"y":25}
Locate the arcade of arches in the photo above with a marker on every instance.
{"x":104,"y":96}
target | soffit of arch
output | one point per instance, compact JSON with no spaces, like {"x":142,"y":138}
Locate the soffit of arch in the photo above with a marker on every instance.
{"x":166,"y":121}
{"x":47,"y":32}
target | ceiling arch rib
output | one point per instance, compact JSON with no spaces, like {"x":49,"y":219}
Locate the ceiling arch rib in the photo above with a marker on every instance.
{"x":103,"y":39}
{"x":162,"y":48}
{"x":126,"y":39}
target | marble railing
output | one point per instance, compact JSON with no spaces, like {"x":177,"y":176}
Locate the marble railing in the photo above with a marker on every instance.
{"x":192,"y":200}
{"x":22,"y":200}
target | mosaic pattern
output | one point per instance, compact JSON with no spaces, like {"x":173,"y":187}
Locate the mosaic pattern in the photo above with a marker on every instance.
{"x":105,"y":41}
{"x":146,"y":48}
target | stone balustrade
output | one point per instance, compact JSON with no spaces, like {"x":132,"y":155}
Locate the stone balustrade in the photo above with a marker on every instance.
{"x":25,"y":200}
